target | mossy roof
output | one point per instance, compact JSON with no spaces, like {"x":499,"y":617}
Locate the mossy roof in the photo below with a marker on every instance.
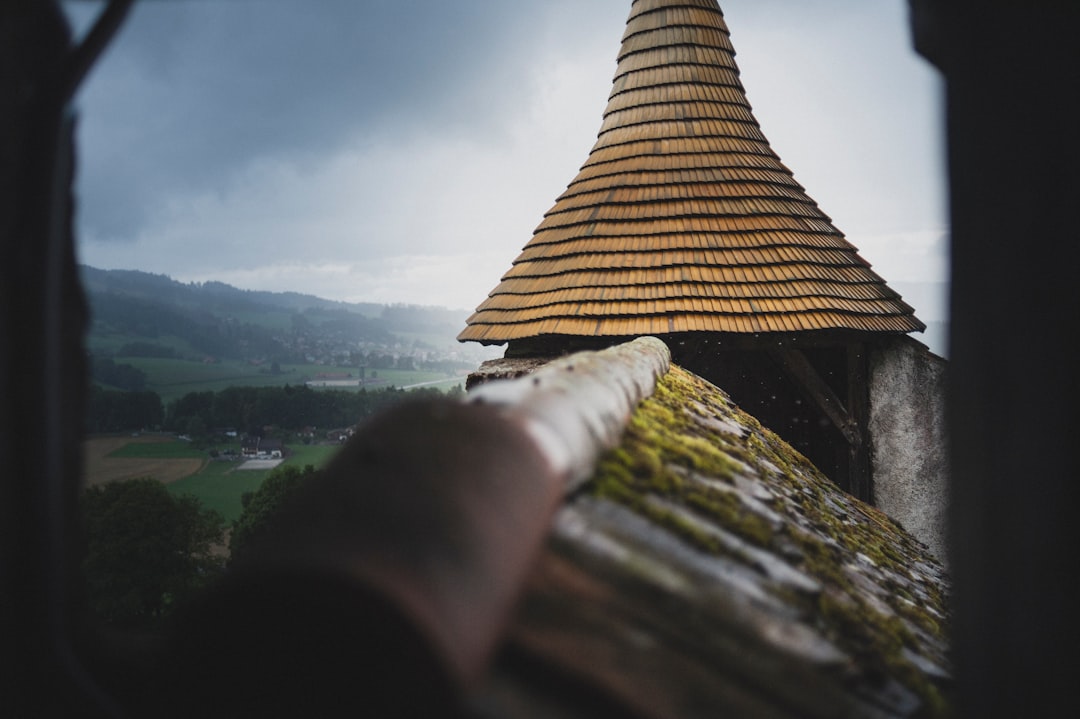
{"x":708,"y":569}
{"x":683,"y":218}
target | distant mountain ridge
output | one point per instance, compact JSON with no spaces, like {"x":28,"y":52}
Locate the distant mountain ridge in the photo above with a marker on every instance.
{"x":217,"y":319}
{"x":137,"y":283}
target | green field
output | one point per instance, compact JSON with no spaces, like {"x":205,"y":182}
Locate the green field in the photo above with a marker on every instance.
{"x":220,"y":484}
{"x":314,"y":454}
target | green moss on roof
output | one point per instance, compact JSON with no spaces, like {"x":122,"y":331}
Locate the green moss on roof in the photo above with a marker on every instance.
{"x":692,"y":461}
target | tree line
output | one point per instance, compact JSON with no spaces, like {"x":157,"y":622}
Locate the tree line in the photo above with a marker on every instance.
{"x":120,"y":375}
{"x":243,"y":409}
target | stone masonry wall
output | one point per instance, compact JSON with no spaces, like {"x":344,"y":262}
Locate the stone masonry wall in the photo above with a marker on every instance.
{"x":908,"y":449}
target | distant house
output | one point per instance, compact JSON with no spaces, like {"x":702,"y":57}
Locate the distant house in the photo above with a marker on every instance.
{"x":261,"y":448}
{"x":340,"y":435}
{"x":270,"y":449}
{"x":249,"y":446}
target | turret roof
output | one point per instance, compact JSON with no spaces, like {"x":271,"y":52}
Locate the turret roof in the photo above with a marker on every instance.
{"x":683,"y":218}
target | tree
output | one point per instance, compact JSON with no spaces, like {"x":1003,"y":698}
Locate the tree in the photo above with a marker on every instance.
{"x":262,"y":507}
{"x":193,"y":404}
{"x":235,"y":407}
{"x":147,"y":551}
{"x":121,"y":376}
{"x":113,"y":411}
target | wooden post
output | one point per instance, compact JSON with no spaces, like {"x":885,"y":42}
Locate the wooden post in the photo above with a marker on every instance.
{"x":858,"y":406}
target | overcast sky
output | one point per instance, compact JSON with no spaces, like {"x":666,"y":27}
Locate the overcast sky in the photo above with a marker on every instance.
{"x":404,"y":150}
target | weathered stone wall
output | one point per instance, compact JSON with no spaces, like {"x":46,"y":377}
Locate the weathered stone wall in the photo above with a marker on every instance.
{"x":908,"y":451}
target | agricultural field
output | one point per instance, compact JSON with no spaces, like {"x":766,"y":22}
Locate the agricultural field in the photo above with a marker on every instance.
{"x":107,"y":459}
{"x":218,"y":483}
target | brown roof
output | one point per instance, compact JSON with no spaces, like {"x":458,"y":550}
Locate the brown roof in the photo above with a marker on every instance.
{"x":683,"y":218}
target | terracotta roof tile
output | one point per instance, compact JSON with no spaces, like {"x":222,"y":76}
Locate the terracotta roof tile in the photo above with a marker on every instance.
{"x":682,"y":215}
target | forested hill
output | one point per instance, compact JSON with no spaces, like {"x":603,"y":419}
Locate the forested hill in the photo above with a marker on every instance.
{"x":156,"y":314}
{"x":207,"y":295}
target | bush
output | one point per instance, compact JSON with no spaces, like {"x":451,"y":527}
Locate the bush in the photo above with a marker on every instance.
{"x":263,"y":506}
{"x":147,"y":551}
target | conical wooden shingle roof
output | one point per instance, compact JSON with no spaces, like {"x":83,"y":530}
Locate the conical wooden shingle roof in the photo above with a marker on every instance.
{"x":683,"y":218}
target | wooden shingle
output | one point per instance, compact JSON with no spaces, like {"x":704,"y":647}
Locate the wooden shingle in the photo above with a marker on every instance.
{"x":683,"y":218}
